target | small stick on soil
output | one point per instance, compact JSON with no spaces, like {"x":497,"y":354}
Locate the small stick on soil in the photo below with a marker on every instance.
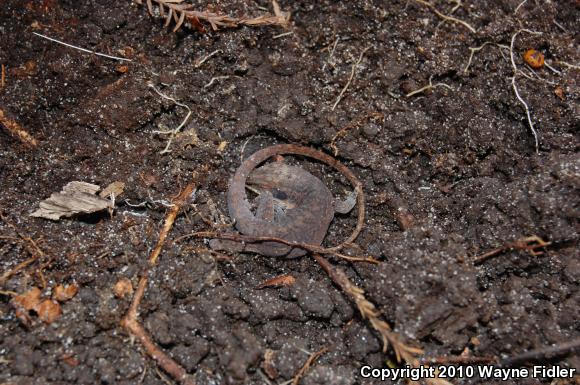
{"x":206,"y":58}
{"x":543,"y":355}
{"x":529,"y":244}
{"x":130,"y":322}
{"x":313,"y":357}
{"x":305,"y":246}
{"x":81,"y":49}
{"x":17,"y":130}
{"x":176,"y":130}
{"x":30,"y":244}
{"x":352,"y":72}
{"x":445,"y":17}
{"x":429,"y":86}
{"x":3,"y":78}
{"x":514,"y":86}
{"x":281,"y":35}
{"x":342,"y":132}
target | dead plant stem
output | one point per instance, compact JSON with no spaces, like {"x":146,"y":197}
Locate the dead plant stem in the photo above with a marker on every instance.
{"x":352,"y":72}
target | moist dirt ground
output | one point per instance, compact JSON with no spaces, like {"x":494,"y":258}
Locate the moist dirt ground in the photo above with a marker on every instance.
{"x":450,"y":172}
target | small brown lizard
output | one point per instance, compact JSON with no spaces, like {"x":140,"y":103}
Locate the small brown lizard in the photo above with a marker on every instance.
{"x":292,"y":204}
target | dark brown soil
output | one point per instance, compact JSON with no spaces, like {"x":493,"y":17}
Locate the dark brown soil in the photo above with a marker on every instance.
{"x":461,"y":161}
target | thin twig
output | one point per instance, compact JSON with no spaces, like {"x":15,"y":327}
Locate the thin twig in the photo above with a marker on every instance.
{"x":352,"y":72}
{"x":207,"y":57}
{"x":313,"y":357}
{"x":529,"y":244}
{"x":429,"y":86}
{"x":81,"y":49}
{"x":31,"y":246}
{"x":17,"y":130}
{"x":3,"y":77}
{"x":131,"y":323}
{"x":305,"y":246}
{"x":445,"y":17}
{"x":514,"y":86}
{"x":176,"y":130}
{"x":282,"y":35}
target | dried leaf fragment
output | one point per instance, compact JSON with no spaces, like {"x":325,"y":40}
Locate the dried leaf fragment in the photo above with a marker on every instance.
{"x":70,"y":359}
{"x":123,"y":288}
{"x":268,"y":364}
{"x":27,"y":301}
{"x":48,"y":311}
{"x":75,"y":198}
{"x":114,"y":189}
{"x":65,"y":293}
{"x":279,"y":281}
{"x":559,"y":92}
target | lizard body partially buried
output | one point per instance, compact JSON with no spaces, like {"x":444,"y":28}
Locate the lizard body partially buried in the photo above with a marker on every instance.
{"x":293,"y":204}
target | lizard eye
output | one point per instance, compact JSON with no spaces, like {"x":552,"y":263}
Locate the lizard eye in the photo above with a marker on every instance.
{"x":279,"y":194}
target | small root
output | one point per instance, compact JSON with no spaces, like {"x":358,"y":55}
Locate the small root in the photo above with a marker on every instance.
{"x":530,"y":244}
{"x":429,"y":86}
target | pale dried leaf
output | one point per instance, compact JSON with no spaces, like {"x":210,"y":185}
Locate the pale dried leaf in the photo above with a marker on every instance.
{"x":75,"y":198}
{"x":150,"y":7}
{"x":114,"y":189}
{"x":268,"y":364}
{"x":82,"y":187}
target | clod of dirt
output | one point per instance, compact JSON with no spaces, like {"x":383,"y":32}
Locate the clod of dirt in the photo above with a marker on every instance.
{"x":314,"y":299}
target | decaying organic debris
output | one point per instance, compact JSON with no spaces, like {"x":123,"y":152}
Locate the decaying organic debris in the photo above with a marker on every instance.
{"x":75,"y":198}
{"x":181,"y":12}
